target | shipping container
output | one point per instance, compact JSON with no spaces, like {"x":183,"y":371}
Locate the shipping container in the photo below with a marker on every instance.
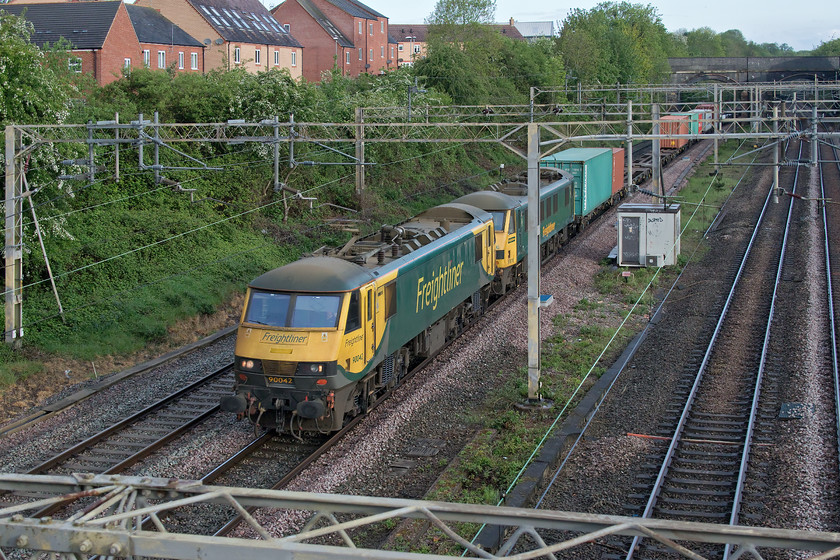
{"x":694,"y":121}
{"x":674,"y":124}
{"x":592,"y":169}
{"x":618,"y":170}
{"x":706,"y":120}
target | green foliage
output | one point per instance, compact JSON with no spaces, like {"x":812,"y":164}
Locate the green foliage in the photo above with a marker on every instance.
{"x":615,"y":42}
{"x":34,"y":84}
{"x":828,"y":48}
{"x":706,"y":42}
{"x":462,"y":12}
{"x":475,"y":64}
{"x":13,"y":369}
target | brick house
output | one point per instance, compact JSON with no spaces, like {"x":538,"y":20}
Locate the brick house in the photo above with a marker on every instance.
{"x":163,"y":44}
{"x":101,"y":34}
{"x":236,"y":33}
{"x":412,"y":39}
{"x":342,"y":33}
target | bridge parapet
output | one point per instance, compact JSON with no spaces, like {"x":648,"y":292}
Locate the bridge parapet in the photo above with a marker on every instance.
{"x":751,"y":69}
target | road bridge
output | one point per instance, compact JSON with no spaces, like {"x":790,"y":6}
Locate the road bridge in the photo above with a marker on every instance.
{"x":751,"y":69}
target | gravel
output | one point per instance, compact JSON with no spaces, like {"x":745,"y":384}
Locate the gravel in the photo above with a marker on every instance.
{"x":436,"y":408}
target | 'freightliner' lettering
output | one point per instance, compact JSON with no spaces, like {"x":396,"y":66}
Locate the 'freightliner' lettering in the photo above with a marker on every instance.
{"x":440,"y":284}
{"x":280,"y":338}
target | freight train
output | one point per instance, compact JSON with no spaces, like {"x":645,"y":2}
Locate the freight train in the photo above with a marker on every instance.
{"x":321,"y":338}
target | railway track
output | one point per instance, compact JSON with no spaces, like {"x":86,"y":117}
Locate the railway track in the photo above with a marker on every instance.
{"x":830,"y":214}
{"x":728,"y":397}
{"x":132,"y":439}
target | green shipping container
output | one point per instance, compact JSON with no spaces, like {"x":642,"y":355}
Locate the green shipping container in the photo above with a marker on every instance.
{"x":693,"y":121}
{"x":592,"y":169}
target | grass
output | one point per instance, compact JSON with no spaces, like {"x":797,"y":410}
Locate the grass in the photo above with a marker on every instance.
{"x":490,"y":463}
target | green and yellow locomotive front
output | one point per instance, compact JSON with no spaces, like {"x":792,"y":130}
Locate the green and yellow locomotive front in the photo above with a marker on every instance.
{"x":302,"y":344}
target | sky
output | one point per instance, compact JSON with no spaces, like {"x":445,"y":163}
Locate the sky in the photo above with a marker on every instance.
{"x":803,"y":25}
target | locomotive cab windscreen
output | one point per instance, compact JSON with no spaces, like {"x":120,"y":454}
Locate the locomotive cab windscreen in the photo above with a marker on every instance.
{"x":293,"y":311}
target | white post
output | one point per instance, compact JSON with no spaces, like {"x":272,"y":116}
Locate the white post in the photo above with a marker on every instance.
{"x":533,"y":262}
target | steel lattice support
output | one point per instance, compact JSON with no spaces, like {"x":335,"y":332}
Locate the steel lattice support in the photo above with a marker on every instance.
{"x":746,"y":113}
{"x":105,"y":517}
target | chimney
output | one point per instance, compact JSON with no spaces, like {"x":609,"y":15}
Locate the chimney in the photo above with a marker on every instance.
{"x":511,"y":21}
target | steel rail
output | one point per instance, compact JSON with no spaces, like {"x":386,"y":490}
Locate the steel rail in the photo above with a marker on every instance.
{"x":675,"y":439}
{"x":256,"y":444}
{"x":133,"y":419}
{"x":829,"y":289}
{"x":745,"y":453}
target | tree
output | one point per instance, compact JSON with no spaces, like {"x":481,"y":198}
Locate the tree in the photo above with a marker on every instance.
{"x":615,"y":42}
{"x":33,"y":83}
{"x":462,"y":12}
{"x":828,"y":48}
{"x":704,"y":42}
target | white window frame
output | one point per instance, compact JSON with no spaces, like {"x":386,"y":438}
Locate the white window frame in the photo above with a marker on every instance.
{"x":360,"y":27}
{"x":147,"y":58}
{"x":194,"y":61}
{"x":287,"y":27}
{"x":361,"y":54}
{"x":294,"y":58}
{"x":370,"y":53}
{"x":180,"y":60}
{"x":370,"y":28}
{"x":127,"y":63}
{"x":381,"y":51}
{"x":347,"y":57}
{"x":276,"y":58}
{"x":237,"y":55}
{"x":400,"y":47}
{"x":416,"y":49}
{"x":257,"y":56}
{"x":392,"y":52}
{"x":74,"y":64}
{"x":161,"y":59}
{"x":382,"y":26}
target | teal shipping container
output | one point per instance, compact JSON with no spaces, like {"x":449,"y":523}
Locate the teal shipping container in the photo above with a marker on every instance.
{"x":693,"y":121}
{"x":592,"y":169}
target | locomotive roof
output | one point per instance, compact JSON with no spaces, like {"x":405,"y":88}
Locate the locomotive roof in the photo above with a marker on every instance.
{"x":314,"y":274}
{"x":489,"y":200}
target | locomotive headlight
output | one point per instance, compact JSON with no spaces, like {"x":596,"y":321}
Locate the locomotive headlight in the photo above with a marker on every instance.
{"x":316,"y":368}
{"x":249,"y":364}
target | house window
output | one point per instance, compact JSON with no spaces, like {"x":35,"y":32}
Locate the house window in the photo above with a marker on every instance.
{"x":237,"y":56}
{"x":74,"y":64}
{"x":381,"y":52}
{"x":126,"y":63}
{"x":276,"y":58}
{"x":382,"y":27}
{"x":161,"y":59}
{"x":294,"y":58}
{"x":416,"y":49}
{"x":180,"y":61}
{"x":147,"y":58}
{"x":370,"y":53}
{"x":370,"y":26}
{"x":287,"y":27}
{"x":194,"y":61}
{"x":257,"y":54}
{"x":347,"y":57}
{"x":400,"y":47}
{"x":361,"y":56}
{"x":360,"y":28}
